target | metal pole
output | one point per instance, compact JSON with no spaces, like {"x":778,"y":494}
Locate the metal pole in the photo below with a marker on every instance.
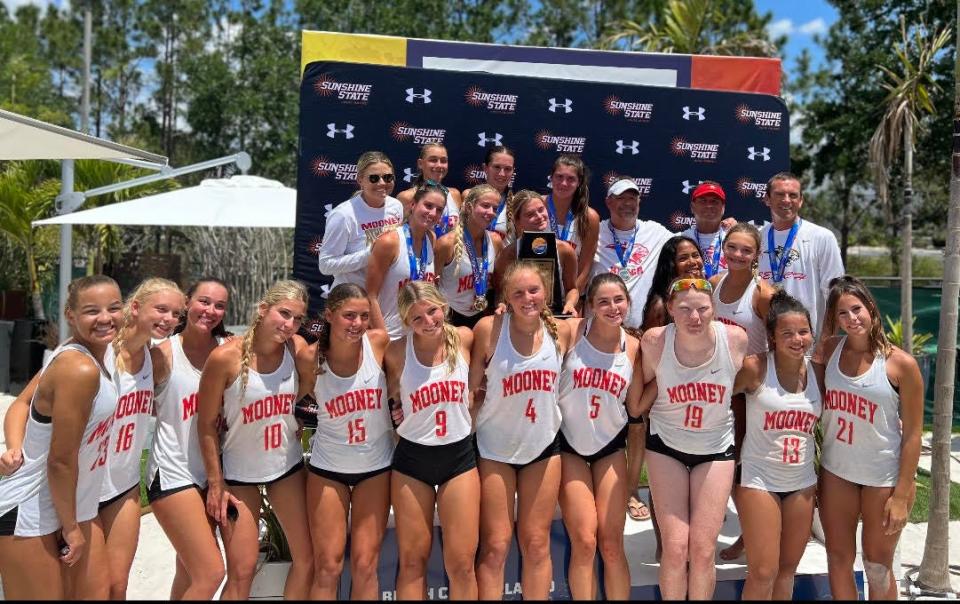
{"x":66,"y":250}
{"x":87,"y":53}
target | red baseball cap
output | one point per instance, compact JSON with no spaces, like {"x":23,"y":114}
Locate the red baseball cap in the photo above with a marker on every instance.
{"x":709,"y":187}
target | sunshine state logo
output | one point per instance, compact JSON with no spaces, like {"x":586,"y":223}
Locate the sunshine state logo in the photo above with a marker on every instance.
{"x":404,"y":132}
{"x":494,"y":102}
{"x":679,"y":221}
{"x":631,"y":111}
{"x":698,"y":152}
{"x":322,"y":167}
{"x":349,"y":93}
{"x":561,"y":144}
{"x":748,"y":188}
{"x":767,"y":120}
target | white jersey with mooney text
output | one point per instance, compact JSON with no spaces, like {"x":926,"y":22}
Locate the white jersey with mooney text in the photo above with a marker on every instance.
{"x":398,"y":275}
{"x":28,"y":489}
{"x":435,"y":400}
{"x":811,"y":262}
{"x":354,"y":433}
{"x":261,"y":442}
{"x":708,"y":244}
{"x":520,"y":415}
{"x":861,"y":424}
{"x":351,"y":229}
{"x":175,"y":453}
{"x":593,"y":394}
{"x":131,"y":425}
{"x":642,"y":260}
{"x":692,"y":413}
{"x":457,"y":281}
{"x":778,"y":447}
{"x":741,"y":313}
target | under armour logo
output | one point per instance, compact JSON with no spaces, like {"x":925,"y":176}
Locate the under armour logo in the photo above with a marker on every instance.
{"x":413,"y":95}
{"x":753,"y":154}
{"x":483,"y":140}
{"x":566,"y":105}
{"x":700,"y":113}
{"x":332,"y":130}
{"x":327,"y":209}
{"x":325,"y":290}
{"x":634,"y":147}
{"x":409,"y":174}
{"x":687,"y":187}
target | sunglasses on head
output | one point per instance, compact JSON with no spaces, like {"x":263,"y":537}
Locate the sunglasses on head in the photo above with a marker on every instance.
{"x":375,"y":178}
{"x":681,"y":285}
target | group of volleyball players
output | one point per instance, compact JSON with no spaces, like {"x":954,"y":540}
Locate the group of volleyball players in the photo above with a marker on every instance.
{"x":441,"y":383}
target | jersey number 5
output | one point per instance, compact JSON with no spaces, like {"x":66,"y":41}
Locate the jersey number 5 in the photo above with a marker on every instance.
{"x":594,"y":406}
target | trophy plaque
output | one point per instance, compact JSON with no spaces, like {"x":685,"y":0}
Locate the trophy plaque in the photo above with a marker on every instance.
{"x":540,"y":247}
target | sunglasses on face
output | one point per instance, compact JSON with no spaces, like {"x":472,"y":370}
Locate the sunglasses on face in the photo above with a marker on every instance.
{"x":375,"y":178}
{"x":687,"y":284}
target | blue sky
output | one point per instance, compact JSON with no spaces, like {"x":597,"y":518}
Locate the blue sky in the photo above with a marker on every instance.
{"x":801,"y":21}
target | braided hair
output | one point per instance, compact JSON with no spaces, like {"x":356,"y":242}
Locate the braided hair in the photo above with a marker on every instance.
{"x":417,"y":291}
{"x":286,"y":289}
{"x":465,"y":211}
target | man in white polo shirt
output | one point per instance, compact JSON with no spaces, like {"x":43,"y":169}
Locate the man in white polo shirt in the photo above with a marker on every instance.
{"x":796,"y":254}
{"x":628,"y":246}
{"x":707,"y":203}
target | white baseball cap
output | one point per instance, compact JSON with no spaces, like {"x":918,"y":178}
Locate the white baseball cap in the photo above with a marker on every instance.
{"x":622,"y":186}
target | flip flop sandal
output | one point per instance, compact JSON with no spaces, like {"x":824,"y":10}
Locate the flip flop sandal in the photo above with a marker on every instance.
{"x":637,"y":510}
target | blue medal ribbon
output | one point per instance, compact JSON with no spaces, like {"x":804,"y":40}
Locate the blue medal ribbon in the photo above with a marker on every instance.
{"x":480,"y":273}
{"x":626,"y":248}
{"x":443,"y":225}
{"x":418,"y":269}
{"x":553,"y":219}
{"x":712,"y":267}
{"x":778,"y":268}
{"x":503,"y":204}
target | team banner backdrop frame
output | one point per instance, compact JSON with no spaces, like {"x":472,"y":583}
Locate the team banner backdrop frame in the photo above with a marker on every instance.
{"x":666,"y":139}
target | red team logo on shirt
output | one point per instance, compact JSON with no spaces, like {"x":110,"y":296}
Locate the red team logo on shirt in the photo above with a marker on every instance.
{"x":635,"y":262}
{"x":696,"y":392}
{"x":850,"y":403}
{"x":449,"y":391}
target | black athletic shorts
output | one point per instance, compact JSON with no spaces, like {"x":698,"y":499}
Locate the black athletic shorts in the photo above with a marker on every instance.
{"x":154,"y":492}
{"x":116,"y":498}
{"x":239,"y":483}
{"x":434,"y":465}
{"x":348,"y":480}
{"x":8,"y":523}
{"x":655,"y":444}
{"x":552,"y":449}
{"x":618,"y":444}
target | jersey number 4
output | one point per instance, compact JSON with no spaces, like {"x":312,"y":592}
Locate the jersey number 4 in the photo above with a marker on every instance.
{"x":531,"y":412}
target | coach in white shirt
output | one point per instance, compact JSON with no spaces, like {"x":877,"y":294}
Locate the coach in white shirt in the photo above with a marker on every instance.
{"x":796,"y":254}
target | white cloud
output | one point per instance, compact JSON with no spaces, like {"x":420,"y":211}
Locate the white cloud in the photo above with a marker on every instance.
{"x":13,"y":5}
{"x":780,"y":27}
{"x":814,"y":27}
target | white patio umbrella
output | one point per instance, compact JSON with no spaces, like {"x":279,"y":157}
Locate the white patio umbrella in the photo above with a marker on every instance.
{"x":238,"y":201}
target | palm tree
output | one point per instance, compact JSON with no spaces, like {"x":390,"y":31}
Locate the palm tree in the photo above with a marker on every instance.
{"x":689,"y":28}
{"x":27,"y":193}
{"x":935,"y":566}
{"x":909,"y":98}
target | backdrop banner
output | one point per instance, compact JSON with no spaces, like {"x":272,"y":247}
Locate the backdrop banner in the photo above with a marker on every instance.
{"x":666,"y":139}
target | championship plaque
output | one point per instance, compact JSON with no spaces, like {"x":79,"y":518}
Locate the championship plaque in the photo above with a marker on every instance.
{"x":541,"y":249}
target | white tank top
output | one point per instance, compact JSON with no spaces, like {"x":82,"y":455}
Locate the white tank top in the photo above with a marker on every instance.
{"x":436,"y":403}
{"x":398,"y":274}
{"x":861,"y":420}
{"x":741,"y":313}
{"x":692,"y":411}
{"x":28,"y":489}
{"x":778,"y":448}
{"x":520,"y":415}
{"x":593,"y":394}
{"x":131,"y":425}
{"x":261,"y":441}
{"x":175,"y":453}
{"x":354,"y":432}
{"x":457,"y":280}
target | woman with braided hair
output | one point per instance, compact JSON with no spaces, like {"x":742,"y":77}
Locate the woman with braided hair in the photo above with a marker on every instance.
{"x":467,"y":256}
{"x":434,"y":465}
{"x":433,"y":165}
{"x":519,"y":355}
{"x":352,"y":447}
{"x":253,"y":381}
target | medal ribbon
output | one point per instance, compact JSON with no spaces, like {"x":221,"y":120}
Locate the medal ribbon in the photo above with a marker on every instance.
{"x":503,"y":203}
{"x":712,"y":267}
{"x":778,"y":268}
{"x":418,"y":269}
{"x":623,"y":250}
{"x":553,"y":219}
{"x":480,"y":273}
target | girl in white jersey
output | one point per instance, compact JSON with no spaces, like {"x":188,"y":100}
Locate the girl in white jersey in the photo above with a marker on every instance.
{"x":176,"y":479}
{"x":403,"y":255}
{"x":690,"y":434}
{"x":434,"y":465}
{"x":253,"y":381}
{"x":355,"y":224}
{"x":352,"y":446}
{"x":775,"y":489}
{"x":741,"y":298}
{"x":519,"y":355}
{"x":529,"y":213}
{"x":466,"y":257}
{"x":597,"y":387}
{"x":433,"y":165}
{"x":570,"y":214}
{"x":872,"y":417}
{"x":48,"y":504}
{"x":498,"y":169}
